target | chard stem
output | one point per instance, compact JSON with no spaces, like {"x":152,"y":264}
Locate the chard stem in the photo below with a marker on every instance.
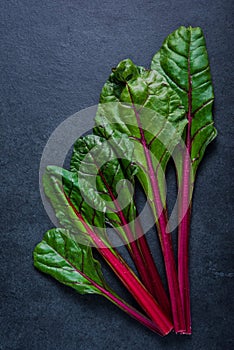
{"x":165,"y":237}
{"x":158,"y":290}
{"x":133,"y":312}
{"x":185,"y":209}
{"x":128,"y":278}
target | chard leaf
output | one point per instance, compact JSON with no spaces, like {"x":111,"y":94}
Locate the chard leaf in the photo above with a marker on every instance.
{"x":62,"y":188}
{"x":72,"y":264}
{"x":183,"y":61}
{"x":145,"y":107}
{"x":96,"y":161}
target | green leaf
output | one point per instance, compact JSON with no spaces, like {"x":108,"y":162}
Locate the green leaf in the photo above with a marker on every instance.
{"x":183,"y":61}
{"x":63,"y":190}
{"x":142,"y":103}
{"x":68,"y":262}
{"x":106,"y":165}
{"x":73,"y":264}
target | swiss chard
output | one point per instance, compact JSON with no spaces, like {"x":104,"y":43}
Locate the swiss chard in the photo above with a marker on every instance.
{"x":72,"y":264}
{"x":62,"y":188}
{"x":154,"y":121}
{"x":89,"y":154}
{"x":144,"y":116}
{"x":183,"y":60}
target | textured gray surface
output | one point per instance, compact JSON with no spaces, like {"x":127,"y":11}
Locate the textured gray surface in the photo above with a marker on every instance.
{"x":55,"y":57}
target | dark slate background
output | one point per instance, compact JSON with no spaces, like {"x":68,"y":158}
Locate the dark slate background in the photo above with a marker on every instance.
{"x":55,"y":57}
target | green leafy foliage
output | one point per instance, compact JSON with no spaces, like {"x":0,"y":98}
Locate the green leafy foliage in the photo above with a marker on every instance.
{"x":183,"y":61}
{"x":106,"y":165}
{"x":144,"y":106}
{"x":71,"y":263}
{"x":63,"y":190}
{"x":142,"y":117}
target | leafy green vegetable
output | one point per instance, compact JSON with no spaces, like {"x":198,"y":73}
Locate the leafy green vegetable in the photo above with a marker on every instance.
{"x":60,"y":186}
{"x":71,"y":211}
{"x":144,"y":117}
{"x":183,"y":60}
{"x":152,"y":115}
{"x":160,"y":114}
{"x":72,"y":264}
{"x":60,"y":256}
{"x":95,"y":159}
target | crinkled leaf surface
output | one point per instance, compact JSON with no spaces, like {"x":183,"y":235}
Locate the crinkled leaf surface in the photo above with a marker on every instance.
{"x":62,"y":188}
{"x":96,"y":161}
{"x":144,"y":106}
{"x":67,"y":261}
{"x":183,"y":61}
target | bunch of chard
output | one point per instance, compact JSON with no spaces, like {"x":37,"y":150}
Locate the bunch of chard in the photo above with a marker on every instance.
{"x":144,"y":118}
